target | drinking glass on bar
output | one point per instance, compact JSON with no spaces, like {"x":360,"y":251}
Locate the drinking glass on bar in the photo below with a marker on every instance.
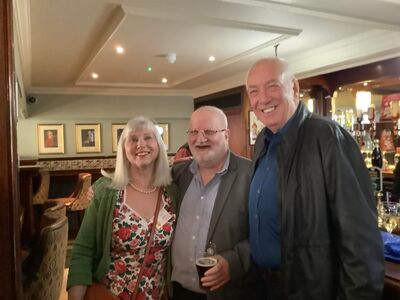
{"x":389,"y":215}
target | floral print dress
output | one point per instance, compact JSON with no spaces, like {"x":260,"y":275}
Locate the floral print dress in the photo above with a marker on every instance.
{"x":128,"y":245}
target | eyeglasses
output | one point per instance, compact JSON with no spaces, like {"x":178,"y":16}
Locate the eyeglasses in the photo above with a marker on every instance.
{"x":206,"y":132}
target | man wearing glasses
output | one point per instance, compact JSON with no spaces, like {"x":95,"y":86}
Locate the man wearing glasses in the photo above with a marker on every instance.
{"x":212,"y":207}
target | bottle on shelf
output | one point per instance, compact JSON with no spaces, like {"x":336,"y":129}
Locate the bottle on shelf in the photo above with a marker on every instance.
{"x":397,"y":156}
{"x":376,"y":158}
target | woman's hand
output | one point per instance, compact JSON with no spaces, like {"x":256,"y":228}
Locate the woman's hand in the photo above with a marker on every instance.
{"x":77,"y":292}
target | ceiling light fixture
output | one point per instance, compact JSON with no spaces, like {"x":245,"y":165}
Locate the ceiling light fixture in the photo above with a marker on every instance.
{"x":171,"y":57}
{"x":365,"y":83}
{"x":95,"y":75}
{"x":149,"y":69}
{"x":164,"y":80}
{"x":119,"y":49}
{"x":211,"y":58}
{"x":363,"y":100}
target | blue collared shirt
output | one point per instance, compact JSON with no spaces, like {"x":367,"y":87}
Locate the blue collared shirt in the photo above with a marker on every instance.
{"x":192,"y":226}
{"x":264,"y":210}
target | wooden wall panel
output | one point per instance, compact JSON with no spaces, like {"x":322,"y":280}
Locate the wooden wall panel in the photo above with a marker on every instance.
{"x":10,"y":274}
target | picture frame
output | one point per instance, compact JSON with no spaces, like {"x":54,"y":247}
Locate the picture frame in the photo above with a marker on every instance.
{"x":163,"y":129}
{"x":87,"y":138}
{"x":254,"y":127}
{"x":116,"y":130}
{"x":50,"y":138}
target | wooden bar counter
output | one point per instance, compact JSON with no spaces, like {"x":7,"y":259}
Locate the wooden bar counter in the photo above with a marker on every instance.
{"x":392,"y":281}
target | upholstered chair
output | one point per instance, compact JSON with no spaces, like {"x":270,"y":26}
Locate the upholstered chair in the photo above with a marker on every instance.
{"x":77,"y":202}
{"x":42,"y":193}
{"x":44,"y":268}
{"x":54,"y":209}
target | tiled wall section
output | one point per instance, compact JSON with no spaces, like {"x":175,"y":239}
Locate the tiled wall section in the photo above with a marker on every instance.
{"x":78,"y":164}
{"x":82,"y":164}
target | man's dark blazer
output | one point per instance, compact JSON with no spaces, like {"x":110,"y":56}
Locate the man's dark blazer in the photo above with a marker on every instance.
{"x":229,"y":221}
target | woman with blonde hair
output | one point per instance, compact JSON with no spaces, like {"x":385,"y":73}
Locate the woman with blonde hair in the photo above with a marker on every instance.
{"x":131,"y":209}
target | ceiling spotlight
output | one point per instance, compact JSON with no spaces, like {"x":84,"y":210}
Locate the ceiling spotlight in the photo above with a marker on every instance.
{"x":211,"y":58}
{"x":95,"y":75}
{"x":164,"y":80}
{"x":365,"y":83}
{"x":301,"y":95}
{"x":171,"y":57}
{"x":119,"y":49}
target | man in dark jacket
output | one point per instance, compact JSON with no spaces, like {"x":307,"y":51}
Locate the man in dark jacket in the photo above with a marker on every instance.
{"x":312,"y":214}
{"x":212,"y":207}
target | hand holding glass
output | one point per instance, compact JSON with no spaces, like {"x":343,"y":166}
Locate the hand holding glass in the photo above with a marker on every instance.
{"x":205,"y":260}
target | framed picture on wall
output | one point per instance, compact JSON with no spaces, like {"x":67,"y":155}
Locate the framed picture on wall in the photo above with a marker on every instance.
{"x":116,"y":130}
{"x":50,"y":138}
{"x":255,"y":127}
{"x":163,"y":129}
{"x":87,"y":138}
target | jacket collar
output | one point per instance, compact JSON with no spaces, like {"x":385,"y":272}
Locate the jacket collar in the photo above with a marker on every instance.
{"x":289,"y":137}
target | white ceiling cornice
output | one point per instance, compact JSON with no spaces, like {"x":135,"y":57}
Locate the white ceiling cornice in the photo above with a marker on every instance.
{"x":108,"y":91}
{"x":316,"y":13}
{"x":360,"y":49}
{"x":22,"y":22}
{"x":193,"y":18}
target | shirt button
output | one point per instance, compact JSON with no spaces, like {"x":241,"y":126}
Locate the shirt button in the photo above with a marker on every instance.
{"x":193,"y":279}
{"x":197,"y":217}
{"x":258,"y":191}
{"x":255,"y":216}
{"x":193,"y":237}
{"x":201,"y":197}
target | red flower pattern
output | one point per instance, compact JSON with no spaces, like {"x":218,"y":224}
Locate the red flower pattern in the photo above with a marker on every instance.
{"x":124,"y":233}
{"x":128,"y":246}
{"x":167,"y":227}
{"x":119,"y":266}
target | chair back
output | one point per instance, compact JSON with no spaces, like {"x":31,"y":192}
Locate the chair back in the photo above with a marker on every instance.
{"x":54,"y":208}
{"x":42,"y":193}
{"x":81,"y":202}
{"x":46,"y":269}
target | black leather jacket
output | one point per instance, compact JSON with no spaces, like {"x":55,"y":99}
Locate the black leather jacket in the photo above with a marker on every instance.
{"x":330,"y":243}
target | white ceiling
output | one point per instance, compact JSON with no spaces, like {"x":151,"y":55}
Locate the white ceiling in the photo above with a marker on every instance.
{"x":61,"y":42}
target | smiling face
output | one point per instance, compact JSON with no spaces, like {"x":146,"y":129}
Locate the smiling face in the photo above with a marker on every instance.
{"x":273,"y":93}
{"x":209,"y":151}
{"x":141,"y":148}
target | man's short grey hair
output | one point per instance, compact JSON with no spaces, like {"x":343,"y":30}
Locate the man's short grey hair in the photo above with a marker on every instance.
{"x":287,"y":73}
{"x":121,"y":176}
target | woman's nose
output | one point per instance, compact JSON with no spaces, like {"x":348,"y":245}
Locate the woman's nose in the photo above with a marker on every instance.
{"x":141,"y":142}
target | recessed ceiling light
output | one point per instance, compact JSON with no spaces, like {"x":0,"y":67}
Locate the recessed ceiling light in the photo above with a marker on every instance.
{"x":164,"y":80}
{"x":95,"y":75}
{"x":119,"y":49}
{"x":301,"y":95}
{"x":211,"y":58}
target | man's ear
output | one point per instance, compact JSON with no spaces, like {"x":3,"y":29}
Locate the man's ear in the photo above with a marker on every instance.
{"x":296,"y":90}
{"x":227,"y":133}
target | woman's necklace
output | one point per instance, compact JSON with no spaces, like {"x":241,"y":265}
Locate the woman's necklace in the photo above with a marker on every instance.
{"x":142,"y":191}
